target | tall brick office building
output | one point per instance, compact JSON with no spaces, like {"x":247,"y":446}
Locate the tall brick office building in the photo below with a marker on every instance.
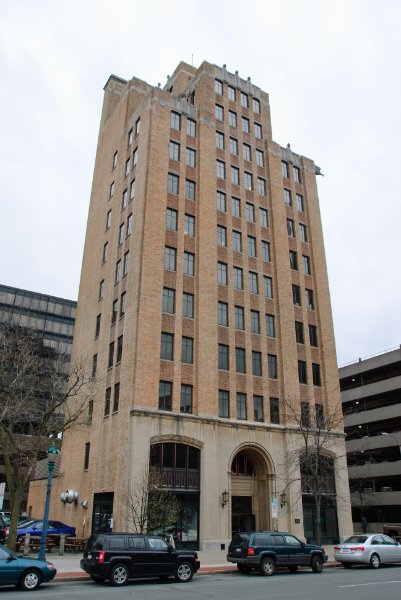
{"x":203,"y":303}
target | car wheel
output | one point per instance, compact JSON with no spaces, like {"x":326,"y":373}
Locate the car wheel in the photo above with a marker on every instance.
{"x":119,"y":574}
{"x":374,"y":562}
{"x":30,"y":580}
{"x":184,"y":572}
{"x":244,"y":569}
{"x":97,"y":578}
{"x":347,"y":565}
{"x":293,"y":568}
{"x":267,"y":566}
{"x":317,"y":564}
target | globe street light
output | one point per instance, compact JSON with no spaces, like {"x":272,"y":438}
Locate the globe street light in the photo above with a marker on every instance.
{"x":52,"y":454}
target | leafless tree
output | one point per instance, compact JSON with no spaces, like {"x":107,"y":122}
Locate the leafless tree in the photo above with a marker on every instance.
{"x":150,"y":507}
{"x":41,"y":396}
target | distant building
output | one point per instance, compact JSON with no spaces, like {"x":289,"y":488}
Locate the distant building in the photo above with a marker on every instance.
{"x":204,"y":303}
{"x":371,"y":399}
{"x":50,"y":318}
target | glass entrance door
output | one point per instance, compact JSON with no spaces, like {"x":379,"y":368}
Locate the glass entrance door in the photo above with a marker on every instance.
{"x":242,"y":518}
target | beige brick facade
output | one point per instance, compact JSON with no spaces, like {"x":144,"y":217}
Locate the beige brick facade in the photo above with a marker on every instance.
{"x":120,"y":441}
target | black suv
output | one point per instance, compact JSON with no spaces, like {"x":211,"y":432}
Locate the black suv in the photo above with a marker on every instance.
{"x":266,"y":550}
{"x":119,"y":557}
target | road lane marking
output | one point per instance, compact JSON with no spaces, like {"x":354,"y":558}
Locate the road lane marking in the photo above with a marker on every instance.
{"x":373,"y":583}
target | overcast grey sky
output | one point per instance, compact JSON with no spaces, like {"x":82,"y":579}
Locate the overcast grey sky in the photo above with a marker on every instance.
{"x":332,"y":70}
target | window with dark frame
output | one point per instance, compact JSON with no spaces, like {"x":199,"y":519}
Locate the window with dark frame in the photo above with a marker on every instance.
{"x":224,"y":404}
{"x":188,"y":301}
{"x":272,"y":366}
{"x":302,"y":374}
{"x":86,"y":457}
{"x":175,"y":121}
{"x":187,"y":350}
{"x":258,"y":408}
{"x":107,"y":402}
{"x":305,"y":414}
{"x":170,"y":258}
{"x":222,"y":278}
{"x":119,"y":349}
{"x":168,"y":304}
{"x":239,"y":317}
{"x":241,"y":406}
{"x":186,"y":398}
{"x":221,"y":203}
{"x":222,"y":314}
{"x":270,"y":326}
{"x":316,"y":375}
{"x":256,"y":363}
{"x":189,"y":225}
{"x":111,"y":355}
{"x":274,"y":411}
{"x":255,"y":321}
{"x":116,"y":397}
{"x":240,"y":364}
{"x":299,"y":332}
{"x":223,"y":357}
{"x":167,"y":346}
{"x":172,"y":183}
{"x":313,"y":336}
{"x":189,"y":264}
{"x":165,"y":395}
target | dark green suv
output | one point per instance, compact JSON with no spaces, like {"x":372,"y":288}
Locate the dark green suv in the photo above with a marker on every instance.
{"x":266,"y":550}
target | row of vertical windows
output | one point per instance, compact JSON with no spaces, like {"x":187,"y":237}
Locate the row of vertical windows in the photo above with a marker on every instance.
{"x":118,"y":353}
{"x":173,"y":185}
{"x":236,"y":237}
{"x":240,"y":361}
{"x":116,"y":400}
{"x":238,"y":279}
{"x":299,"y":200}
{"x":234,"y":148}
{"x":303,"y":231}
{"x":233,"y":121}
{"x":221,"y":205}
{"x":241,"y":407}
{"x":174,"y":154}
{"x":175,"y":123}
{"x":166,"y":397}
{"x":285,"y":170}
{"x":167,"y":348}
{"x":303,"y":373}
{"x":300,"y":336}
{"x":232,"y":96}
{"x":309,"y":297}
{"x":306,"y":264}
{"x":235,"y":177}
{"x":170,"y":261}
{"x":239,"y":319}
{"x":168,"y":303}
{"x":172,"y":219}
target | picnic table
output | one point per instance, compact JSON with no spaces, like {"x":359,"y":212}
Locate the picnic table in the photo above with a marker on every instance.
{"x":75,"y":544}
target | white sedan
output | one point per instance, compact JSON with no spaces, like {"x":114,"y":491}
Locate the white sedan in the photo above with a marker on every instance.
{"x":372,"y":550}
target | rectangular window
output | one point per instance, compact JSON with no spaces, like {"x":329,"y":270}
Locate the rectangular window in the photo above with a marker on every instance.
{"x":172,"y":183}
{"x":251,"y":246}
{"x":116,"y":399}
{"x":127,"y":166}
{"x":239,"y":317}
{"x":117,"y":272}
{"x":268,"y":286}
{"x":132,"y":190}
{"x":236,"y":207}
{"x":296,"y":295}
{"x":187,"y":350}
{"x":108,"y":219}
{"x":274,"y":411}
{"x":313,"y":336}
{"x":245,"y":124}
{"x":170,"y":257}
{"x":168,"y":304}
{"x":238,"y":278}
{"x":303,"y":232}
{"x":258,"y":131}
{"x":114,"y":311}
{"x":121,"y":234}
{"x":221,"y":203}
{"x":171,"y":219}
{"x":101,"y":289}
{"x":299,"y":332}
{"x":231,"y":93}
{"x":302,"y":376}
{"x":309,"y":299}
{"x":317,"y":380}
{"x":232,"y":118}
{"x":222,"y":273}
{"x":189,"y":190}
{"x":222,"y":313}
{"x":165,"y":395}
{"x":219,"y":112}
{"x":223,"y":357}
{"x":175,"y":121}
{"x":124,"y":199}
{"x":250,"y":212}
{"x":174,"y":151}
{"x":135,"y":157}
{"x":305,"y":415}
{"x":224,"y":404}
{"x":105,"y":252}
{"x":246,"y":152}
{"x":300,"y":202}
{"x":188,"y":305}
{"x":125,"y":263}
{"x":237,"y":241}
{"x":220,"y":169}
{"x":111,"y":355}
{"x":123,"y":303}
{"x":258,"y":408}
{"x":219,"y":140}
{"x":256,"y":363}
{"x":97,"y":328}
{"x":94,"y":365}
{"x":112,"y":188}
{"x":255,"y":321}
{"x":256,"y":105}
{"x":119,"y":349}
{"x":189,"y":264}
{"x":297,"y":175}
{"x":259,"y":158}
{"x":90,"y":412}
{"x":130,"y":137}
{"x":261,"y":186}
{"x":191,"y":127}
{"x":284,"y":169}
{"x":218,"y":87}
{"x":234,"y":176}
{"x":287,"y":198}
{"x":319,"y":416}
{"x":306,"y":264}
{"x":244,"y":100}
{"x":253,"y":283}
{"x":264,"y":220}
{"x":186,"y":399}
{"x":270,"y":326}
{"x":167,"y":346}
{"x":107,"y":402}
{"x":137,"y":127}
{"x":189,"y":225}
{"x":248,"y":181}
{"x":293,"y":260}
{"x":290,"y":228}
{"x":240,"y":365}
{"x":115,"y":159}
{"x":233,"y":146}
{"x":221,"y":236}
{"x":241,"y":406}
{"x":266,"y":251}
{"x":190,"y":157}
{"x":129,"y":225}
{"x":272,"y":366}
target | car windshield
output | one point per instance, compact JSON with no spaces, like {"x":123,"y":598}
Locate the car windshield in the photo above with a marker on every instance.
{"x":356,"y":539}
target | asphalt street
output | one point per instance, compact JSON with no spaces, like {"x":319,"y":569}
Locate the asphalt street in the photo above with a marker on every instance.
{"x":358,"y":583}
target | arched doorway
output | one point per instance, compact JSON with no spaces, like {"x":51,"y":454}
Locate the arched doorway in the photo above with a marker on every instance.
{"x":250,"y":490}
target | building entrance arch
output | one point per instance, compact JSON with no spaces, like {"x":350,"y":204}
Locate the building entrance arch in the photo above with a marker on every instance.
{"x":252,"y":477}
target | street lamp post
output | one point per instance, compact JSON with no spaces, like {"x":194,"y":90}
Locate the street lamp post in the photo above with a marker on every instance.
{"x":52,"y":454}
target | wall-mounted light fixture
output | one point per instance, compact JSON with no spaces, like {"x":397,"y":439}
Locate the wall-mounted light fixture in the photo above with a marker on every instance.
{"x":224,"y":498}
{"x":283,"y":499}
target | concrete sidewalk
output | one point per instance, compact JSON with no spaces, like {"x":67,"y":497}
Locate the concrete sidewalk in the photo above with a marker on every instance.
{"x":68,"y":568}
